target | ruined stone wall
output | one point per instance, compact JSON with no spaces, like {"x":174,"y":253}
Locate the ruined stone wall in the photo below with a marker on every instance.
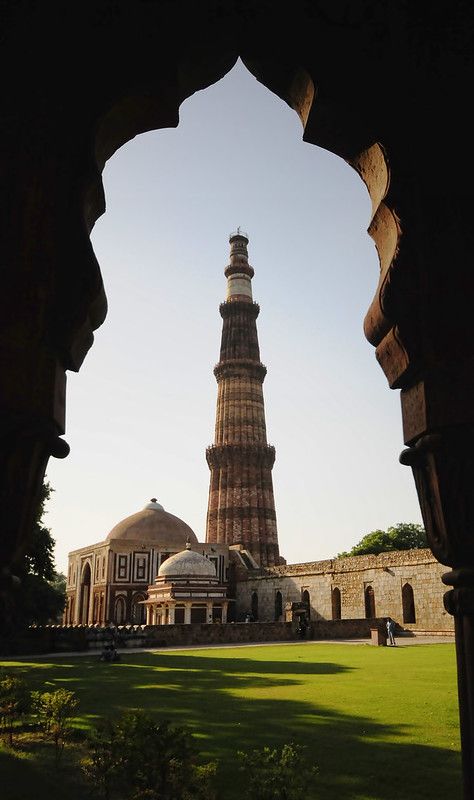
{"x":386,"y":574}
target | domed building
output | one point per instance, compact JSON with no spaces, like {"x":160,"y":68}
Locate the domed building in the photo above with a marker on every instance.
{"x":187,"y":589}
{"x":108,"y":581}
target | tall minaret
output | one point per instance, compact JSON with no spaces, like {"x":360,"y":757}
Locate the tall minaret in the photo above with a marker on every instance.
{"x":241,"y":506}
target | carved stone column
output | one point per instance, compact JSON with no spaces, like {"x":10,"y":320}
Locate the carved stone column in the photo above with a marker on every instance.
{"x":443,"y":468}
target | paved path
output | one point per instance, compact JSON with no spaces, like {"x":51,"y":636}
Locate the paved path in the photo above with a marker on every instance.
{"x":401,"y":641}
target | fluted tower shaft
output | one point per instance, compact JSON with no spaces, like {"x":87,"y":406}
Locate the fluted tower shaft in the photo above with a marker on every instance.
{"x":241,"y":507}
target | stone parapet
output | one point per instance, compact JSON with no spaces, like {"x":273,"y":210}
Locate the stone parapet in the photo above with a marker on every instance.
{"x":81,"y":638}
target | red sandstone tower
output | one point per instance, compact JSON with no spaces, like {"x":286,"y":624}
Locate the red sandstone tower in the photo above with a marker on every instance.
{"x":241,"y":506}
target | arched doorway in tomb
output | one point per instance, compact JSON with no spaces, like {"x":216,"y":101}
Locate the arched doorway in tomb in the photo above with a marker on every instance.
{"x":138,"y":609}
{"x":85,"y":594}
{"x":120,"y":610}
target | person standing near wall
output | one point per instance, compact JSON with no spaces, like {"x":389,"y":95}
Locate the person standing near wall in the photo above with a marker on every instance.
{"x":391,"y":632}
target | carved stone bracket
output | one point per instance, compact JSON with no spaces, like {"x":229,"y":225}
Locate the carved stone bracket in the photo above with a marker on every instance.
{"x":460,"y":600}
{"x":443,"y":469}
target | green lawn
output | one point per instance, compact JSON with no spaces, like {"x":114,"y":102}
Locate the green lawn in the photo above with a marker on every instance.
{"x":381,"y":723}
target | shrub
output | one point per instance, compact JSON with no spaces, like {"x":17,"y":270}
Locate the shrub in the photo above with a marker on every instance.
{"x":54,"y":710}
{"x":276,"y":774}
{"x":15,"y":700}
{"x":138,"y":758}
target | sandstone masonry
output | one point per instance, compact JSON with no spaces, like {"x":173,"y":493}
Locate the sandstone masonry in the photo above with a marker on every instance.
{"x":405,"y":585}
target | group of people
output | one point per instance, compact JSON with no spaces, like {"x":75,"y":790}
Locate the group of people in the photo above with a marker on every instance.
{"x":109,"y":650}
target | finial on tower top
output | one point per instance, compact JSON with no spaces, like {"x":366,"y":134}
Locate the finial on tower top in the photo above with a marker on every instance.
{"x":239,"y":233}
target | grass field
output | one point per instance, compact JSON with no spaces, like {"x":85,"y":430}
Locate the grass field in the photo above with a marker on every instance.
{"x":380,"y":723}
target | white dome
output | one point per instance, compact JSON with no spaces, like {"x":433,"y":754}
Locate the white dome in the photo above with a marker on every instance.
{"x":186,"y":564}
{"x":153,"y":504}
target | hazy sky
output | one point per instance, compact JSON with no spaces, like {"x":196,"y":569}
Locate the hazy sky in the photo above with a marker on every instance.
{"x":140,"y":413}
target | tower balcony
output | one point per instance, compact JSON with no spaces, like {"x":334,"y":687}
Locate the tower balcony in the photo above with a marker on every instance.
{"x":240,"y":368}
{"x":233,"y":308}
{"x":229,"y":455}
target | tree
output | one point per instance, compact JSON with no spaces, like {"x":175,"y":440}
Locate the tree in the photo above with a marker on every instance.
{"x":402,"y":536}
{"x":38,"y":596}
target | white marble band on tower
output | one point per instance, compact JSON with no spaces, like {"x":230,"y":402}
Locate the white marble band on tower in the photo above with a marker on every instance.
{"x":239,"y":273}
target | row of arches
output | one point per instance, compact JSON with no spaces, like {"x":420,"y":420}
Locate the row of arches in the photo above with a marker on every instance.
{"x":92,"y":609}
{"x":408,"y":603}
{"x":137,"y":610}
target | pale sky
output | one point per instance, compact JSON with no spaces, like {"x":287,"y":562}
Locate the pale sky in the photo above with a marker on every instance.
{"x":140,"y":413}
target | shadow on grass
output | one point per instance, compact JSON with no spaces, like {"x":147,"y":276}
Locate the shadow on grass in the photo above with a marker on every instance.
{"x":234,"y":704}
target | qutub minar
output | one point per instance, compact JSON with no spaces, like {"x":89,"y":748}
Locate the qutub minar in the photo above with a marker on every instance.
{"x":241,"y":507}
{"x":152,"y":568}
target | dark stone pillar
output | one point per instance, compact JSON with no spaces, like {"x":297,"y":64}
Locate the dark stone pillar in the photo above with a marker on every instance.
{"x":443,"y":468}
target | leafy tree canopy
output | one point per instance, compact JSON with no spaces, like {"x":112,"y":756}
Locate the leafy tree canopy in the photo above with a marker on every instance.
{"x":402,"y":536}
{"x":39,"y":596}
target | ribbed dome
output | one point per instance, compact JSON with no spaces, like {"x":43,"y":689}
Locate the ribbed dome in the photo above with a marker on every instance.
{"x":187,"y":564}
{"x":155,"y":525}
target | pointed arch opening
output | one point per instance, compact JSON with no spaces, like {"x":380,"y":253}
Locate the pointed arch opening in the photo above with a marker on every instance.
{"x":138,"y":609}
{"x":120,"y":610}
{"x":408,"y":603}
{"x":306,"y":599}
{"x":129,"y":118}
{"x":85,"y":594}
{"x":278,"y":606}
{"x":254,"y":606}
{"x":369,"y":596}
{"x":336,"y":602}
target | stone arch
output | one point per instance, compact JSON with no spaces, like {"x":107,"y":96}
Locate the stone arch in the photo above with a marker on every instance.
{"x":138,"y":609}
{"x":254,"y":606}
{"x":306,"y":599}
{"x":408,"y":603}
{"x":162,"y":78}
{"x":369,"y":599}
{"x":368,"y":92}
{"x":134,"y":114}
{"x":278,"y":606}
{"x":69,"y":611}
{"x":120,"y":610}
{"x":336,"y":602}
{"x":85,"y":594}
